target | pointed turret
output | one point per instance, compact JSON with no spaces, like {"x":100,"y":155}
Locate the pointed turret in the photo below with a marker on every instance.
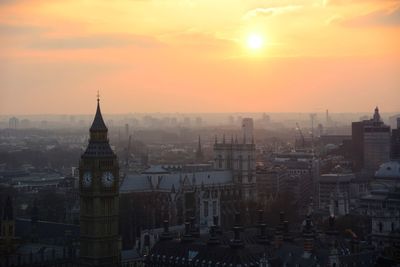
{"x":98,"y":142}
{"x":237,"y":241}
{"x":98,"y":124}
{"x":199,"y":152}
{"x":377,"y":116}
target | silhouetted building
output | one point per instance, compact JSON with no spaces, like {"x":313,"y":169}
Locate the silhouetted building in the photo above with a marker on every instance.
{"x":99,"y":199}
{"x":255,"y":247}
{"x":199,"y":152}
{"x":371,"y":143}
{"x":247,"y":129}
{"x":238,"y":157}
{"x":395,"y":144}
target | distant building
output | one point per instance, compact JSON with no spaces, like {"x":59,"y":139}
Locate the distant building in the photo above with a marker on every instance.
{"x":247,"y":129}
{"x":239,"y":157}
{"x":13,"y":123}
{"x":395,"y":142}
{"x":334,"y":192}
{"x":196,"y":191}
{"x":371,"y":143}
{"x":199,"y":122}
{"x":393,"y":120}
{"x":334,"y":139}
{"x":270,"y":182}
{"x":303,"y":170}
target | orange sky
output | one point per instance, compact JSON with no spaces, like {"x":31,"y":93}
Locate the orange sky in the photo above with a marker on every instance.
{"x":192,"y":56}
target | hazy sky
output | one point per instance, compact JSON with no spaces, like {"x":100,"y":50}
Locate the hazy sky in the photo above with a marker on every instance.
{"x":199,"y":56}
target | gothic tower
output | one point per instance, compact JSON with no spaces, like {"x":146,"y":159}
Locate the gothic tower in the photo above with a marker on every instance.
{"x":199,"y":152}
{"x":240,"y":159}
{"x":99,"y":199}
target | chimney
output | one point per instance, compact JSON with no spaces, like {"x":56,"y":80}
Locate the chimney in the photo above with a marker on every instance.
{"x":308,"y":235}
{"x":166,"y":235}
{"x":237,"y":242}
{"x":332,"y":228}
{"x":193,"y":229}
{"x":187,"y":236}
{"x":262,"y":237}
{"x":355,"y":245}
{"x":279,"y":230}
{"x":213,"y":240}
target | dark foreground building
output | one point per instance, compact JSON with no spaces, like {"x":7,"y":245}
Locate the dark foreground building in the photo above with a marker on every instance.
{"x":260,"y":246}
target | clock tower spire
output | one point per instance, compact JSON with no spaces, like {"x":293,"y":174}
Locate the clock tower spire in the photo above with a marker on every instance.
{"x":99,"y":199}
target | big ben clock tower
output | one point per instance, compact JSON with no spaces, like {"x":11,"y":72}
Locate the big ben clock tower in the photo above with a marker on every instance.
{"x":99,"y":199}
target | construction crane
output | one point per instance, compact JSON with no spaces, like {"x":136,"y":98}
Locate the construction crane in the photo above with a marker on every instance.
{"x":301,"y":135}
{"x":312,"y":117}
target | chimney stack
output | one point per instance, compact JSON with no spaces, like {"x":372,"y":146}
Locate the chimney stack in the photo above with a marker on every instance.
{"x":279,"y":230}
{"x":237,"y":242}
{"x":308,"y":235}
{"x":262,"y":237}
{"x":187,"y":236}
{"x":166,"y":235}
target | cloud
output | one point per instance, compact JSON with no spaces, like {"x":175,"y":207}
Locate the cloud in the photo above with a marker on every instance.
{"x":387,"y":18}
{"x":271,"y":11}
{"x":347,"y":2}
{"x":198,"y":39}
{"x":94,"y":41}
{"x":12,"y":29}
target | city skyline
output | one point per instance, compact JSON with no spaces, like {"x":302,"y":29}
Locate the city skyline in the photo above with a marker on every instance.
{"x":199,"y":57}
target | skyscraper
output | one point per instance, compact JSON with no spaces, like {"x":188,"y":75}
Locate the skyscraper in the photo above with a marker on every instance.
{"x":99,"y":199}
{"x":371,"y":143}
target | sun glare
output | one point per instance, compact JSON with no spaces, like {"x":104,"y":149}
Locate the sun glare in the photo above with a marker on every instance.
{"x":255,"y":41}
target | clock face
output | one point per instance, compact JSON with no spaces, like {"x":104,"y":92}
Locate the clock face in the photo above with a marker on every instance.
{"x":87,"y":179}
{"x":107,"y":178}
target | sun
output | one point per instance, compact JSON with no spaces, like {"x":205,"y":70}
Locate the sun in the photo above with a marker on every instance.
{"x":255,"y":41}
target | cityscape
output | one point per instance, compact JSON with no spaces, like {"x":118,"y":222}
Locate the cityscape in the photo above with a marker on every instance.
{"x":169,"y":134}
